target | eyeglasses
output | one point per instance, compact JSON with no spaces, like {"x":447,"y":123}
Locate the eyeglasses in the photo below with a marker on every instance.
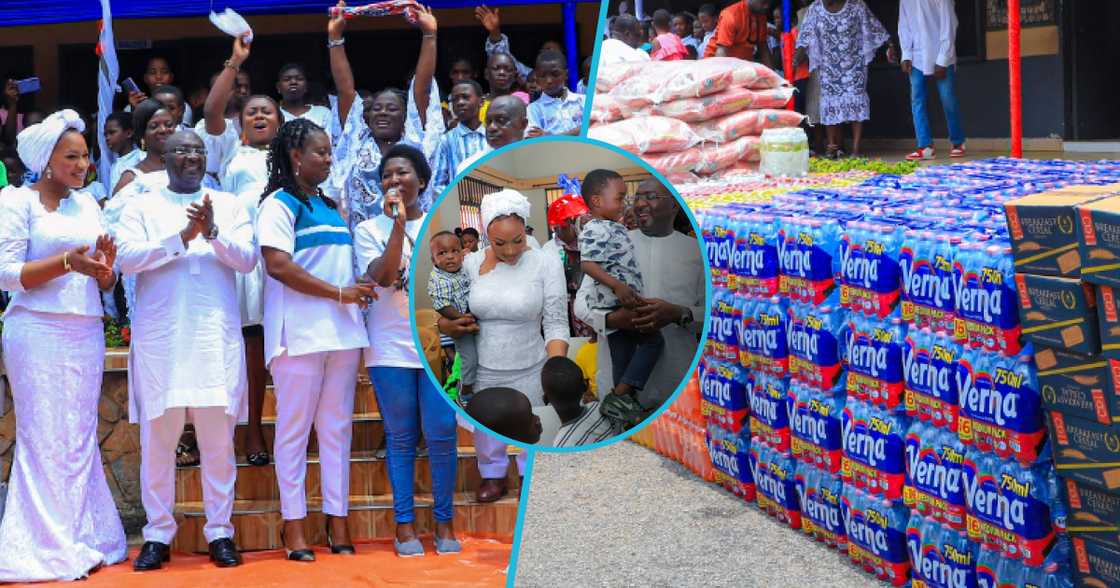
{"x":189,"y":151}
{"x":649,"y":197}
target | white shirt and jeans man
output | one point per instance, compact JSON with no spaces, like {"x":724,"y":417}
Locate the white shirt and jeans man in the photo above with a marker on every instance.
{"x":927,"y":33}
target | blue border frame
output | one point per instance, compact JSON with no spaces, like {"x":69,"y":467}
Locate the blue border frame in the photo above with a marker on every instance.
{"x":707,"y":288}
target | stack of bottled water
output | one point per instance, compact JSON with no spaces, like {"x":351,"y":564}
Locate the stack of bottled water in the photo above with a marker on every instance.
{"x":865,"y":355}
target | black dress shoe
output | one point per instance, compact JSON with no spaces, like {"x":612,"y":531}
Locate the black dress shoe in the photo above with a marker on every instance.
{"x":224,"y":553}
{"x":341,"y":549}
{"x":152,"y":555}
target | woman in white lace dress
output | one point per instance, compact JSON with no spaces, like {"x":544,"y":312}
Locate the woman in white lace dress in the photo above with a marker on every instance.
{"x":840,"y":38}
{"x":516,"y":294}
{"x":60,"y":520}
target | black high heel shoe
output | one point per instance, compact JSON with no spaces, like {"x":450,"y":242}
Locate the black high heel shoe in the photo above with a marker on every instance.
{"x":337,"y":549}
{"x":304,"y":555}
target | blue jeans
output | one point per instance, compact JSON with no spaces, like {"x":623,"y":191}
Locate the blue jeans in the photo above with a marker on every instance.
{"x":408,"y":401}
{"x":633,"y":356}
{"x":948,"y":103}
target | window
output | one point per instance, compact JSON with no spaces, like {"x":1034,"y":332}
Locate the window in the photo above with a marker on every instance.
{"x":471,"y":191}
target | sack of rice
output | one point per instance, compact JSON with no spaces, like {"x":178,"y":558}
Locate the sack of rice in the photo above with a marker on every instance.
{"x":729,"y":101}
{"x":746,"y":123}
{"x":646,"y":134}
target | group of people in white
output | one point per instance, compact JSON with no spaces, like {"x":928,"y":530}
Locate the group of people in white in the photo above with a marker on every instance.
{"x":306,"y":229}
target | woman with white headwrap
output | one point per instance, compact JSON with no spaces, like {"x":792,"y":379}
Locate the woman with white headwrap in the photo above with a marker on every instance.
{"x":516,"y":293}
{"x":60,"y":520}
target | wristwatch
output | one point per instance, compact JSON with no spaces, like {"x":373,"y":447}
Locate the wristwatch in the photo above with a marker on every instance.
{"x":686,"y":318}
{"x":213,"y":234}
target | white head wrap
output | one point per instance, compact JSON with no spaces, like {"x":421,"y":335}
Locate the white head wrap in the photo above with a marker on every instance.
{"x":36,"y":143}
{"x":504,"y":203}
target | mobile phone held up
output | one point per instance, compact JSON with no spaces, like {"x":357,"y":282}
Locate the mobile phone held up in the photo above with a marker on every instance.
{"x":129,"y":86}
{"x":28,"y":86}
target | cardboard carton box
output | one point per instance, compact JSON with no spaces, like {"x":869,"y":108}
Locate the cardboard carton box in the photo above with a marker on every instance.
{"x":1043,"y":230}
{"x":1086,"y":387}
{"x":1095,"y":564}
{"x":1098,"y":236}
{"x":1108,"y":319}
{"x":1084,"y":451}
{"x":1058,"y":312}
{"x":1093,"y":513}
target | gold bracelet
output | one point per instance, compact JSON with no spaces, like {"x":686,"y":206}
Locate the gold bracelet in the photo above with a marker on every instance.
{"x":230,"y":65}
{"x":340,"y":294}
{"x":66,"y":261}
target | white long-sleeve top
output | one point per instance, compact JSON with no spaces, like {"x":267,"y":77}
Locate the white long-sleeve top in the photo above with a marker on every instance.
{"x":28,"y":232}
{"x":243,"y":172}
{"x":187,"y":349}
{"x":512,"y":303}
{"x":673,"y":271}
{"x":927,"y":33}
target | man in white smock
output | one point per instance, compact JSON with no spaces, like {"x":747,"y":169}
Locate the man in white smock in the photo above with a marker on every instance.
{"x":673,"y":271}
{"x":187,"y":359}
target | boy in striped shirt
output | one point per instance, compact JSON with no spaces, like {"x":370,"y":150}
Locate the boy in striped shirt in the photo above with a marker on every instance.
{"x":564,"y":388}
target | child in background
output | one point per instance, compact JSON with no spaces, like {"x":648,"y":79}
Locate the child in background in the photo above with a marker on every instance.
{"x":607,"y":256}
{"x":507,"y":412}
{"x":15,"y":168}
{"x":466,"y":138}
{"x":158,"y":73}
{"x":461,"y":70}
{"x":565,"y":387}
{"x":682,"y":27}
{"x":558,"y":111}
{"x":470,"y":238}
{"x":449,"y":288}
{"x":667,"y":46}
{"x":292,"y":86}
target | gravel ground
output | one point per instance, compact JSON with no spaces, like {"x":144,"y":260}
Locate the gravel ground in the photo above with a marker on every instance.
{"x":625,"y":516}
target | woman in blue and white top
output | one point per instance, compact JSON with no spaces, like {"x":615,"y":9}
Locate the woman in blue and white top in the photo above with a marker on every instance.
{"x":313,"y":329}
{"x":408,"y":398}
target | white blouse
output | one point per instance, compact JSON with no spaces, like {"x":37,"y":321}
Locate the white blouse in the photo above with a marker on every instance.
{"x":390,"y":333}
{"x":186,"y":329}
{"x":512,"y":303}
{"x":28,"y":232}
{"x":243,"y":172}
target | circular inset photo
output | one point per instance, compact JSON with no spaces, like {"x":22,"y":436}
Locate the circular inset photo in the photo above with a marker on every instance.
{"x":559,"y":289}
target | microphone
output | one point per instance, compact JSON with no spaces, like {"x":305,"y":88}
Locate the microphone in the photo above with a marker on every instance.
{"x":396,"y":210}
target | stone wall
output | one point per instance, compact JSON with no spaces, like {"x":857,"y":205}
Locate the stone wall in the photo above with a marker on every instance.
{"x":120,"y":441}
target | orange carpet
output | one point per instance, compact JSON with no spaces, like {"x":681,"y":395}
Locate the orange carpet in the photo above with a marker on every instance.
{"x":483,"y":562}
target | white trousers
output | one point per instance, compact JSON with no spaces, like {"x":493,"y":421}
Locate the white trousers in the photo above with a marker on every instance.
{"x":493,"y":461}
{"x":158,"y":438}
{"x":316,"y":388}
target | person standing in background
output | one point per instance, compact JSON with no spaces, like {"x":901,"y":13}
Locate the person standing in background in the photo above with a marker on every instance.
{"x":841,"y":37}
{"x":741,"y":32}
{"x":927,"y":32}
{"x":708,"y":17}
{"x":667,"y":46}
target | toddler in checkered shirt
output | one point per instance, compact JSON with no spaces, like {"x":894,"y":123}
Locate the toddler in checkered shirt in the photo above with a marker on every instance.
{"x":449,"y":288}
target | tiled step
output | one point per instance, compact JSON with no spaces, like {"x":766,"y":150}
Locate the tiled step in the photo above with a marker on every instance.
{"x":368,"y":433}
{"x":368,"y":477}
{"x":364,"y":399}
{"x":258,"y":523}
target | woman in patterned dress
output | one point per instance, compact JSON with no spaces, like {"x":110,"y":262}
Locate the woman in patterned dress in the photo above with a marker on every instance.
{"x":840,"y":38}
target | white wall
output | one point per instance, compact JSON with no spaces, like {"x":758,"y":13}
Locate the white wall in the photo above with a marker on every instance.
{"x":526,"y":162}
